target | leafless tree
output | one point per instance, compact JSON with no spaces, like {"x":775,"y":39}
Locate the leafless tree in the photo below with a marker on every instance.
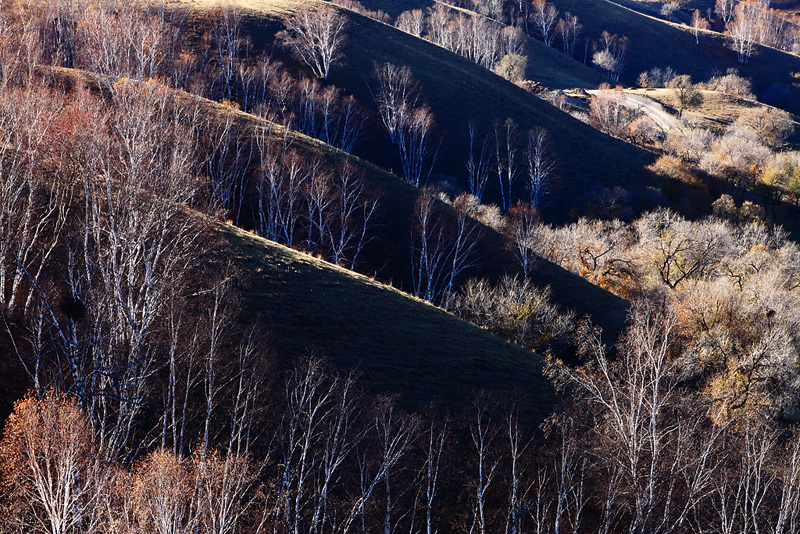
{"x":441,"y":251}
{"x":343,"y":121}
{"x":742,"y":31}
{"x":541,"y":166}
{"x":609,"y":112}
{"x":34,"y":208}
{"x":515,"y":309}
{"x":395,"y":432}
{"x":216,"y":328}
{"x":280,"y":183}
{"x":429,"y":255}
{"x":656,"y":77}
{"x":340,"y":212}
{"x":686,"y":92}
{"x":229,"y":44}
{"x":222,"y":484}
{"x":545,"y":18}
{"x":518,"y":495}
{"x":725,"y":10}
{"x":438,"y":26}
{"x":158,"y":495}
{"x":133,"y":247}
{"x":479,"y":162}
{"x":396,"y":95}
{"x":680,"y":251}
{"x":478,"y":39}
{"x":317,"y":434}
{"x":524,"y":225}
{"x":228,"y":152}
{"x":412,"y":22}
{"x":418,"y":148}
{"x":120,"y":40}
{"x":483,"y":435}
{"x":316,"y":37}
{"x":493,"y":9}
{"x":772,"y":126}
{"x":50,"y":467}
{"x":506,"y":153}
{"x":635,"y":393}
{"x":699,"y":24}
{"x":436,"y":438}
{"x":569,"y":29}
{"x":611,"y":54}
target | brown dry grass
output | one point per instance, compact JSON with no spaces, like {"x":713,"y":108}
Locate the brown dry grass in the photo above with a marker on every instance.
{"x":717,"y":111}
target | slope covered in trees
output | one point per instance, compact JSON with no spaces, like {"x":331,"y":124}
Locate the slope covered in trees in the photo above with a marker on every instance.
{"x":657,"y":43}
{"x":547,"y":65}
{"x":190,"y":375}
{"x":458,"y":91}
{"x":389,"y":250}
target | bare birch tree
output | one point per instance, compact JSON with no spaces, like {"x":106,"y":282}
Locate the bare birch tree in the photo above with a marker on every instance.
{"x":541,"y":166}
{"x":441,"y":252}
{"x":316,"y":37}
{"x":742,"y":31}
{"x":699,"y":24}
{"x":412,"y":22}
{"x":545,"y":19}
{"x":396,"y":95}
{"x":478,"y":162}
{"x":483,"y":435}
{"x":569,"y":30}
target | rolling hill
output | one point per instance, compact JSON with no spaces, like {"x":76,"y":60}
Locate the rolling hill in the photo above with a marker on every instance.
{"x":549,"y":67}
{"x":391,"y":251}
{"x":402,"y":345}
{"x":459,"y":91}
{"x":656,"y":43}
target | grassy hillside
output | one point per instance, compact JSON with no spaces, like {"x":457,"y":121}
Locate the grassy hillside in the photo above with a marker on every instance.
{"x":391,"y":251}
{"x":389,"y":254}
{"x":401,"y":344}
{"x":548,"y":66}
{"x":588,"y":159}
{"x":457,"y":91}
{"x":655,"y":42}
{"x":717,"y":110}
{"x":556,"y":70}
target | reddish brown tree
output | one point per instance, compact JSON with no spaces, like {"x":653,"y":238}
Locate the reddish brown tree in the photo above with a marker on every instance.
{"x":49,"y":467}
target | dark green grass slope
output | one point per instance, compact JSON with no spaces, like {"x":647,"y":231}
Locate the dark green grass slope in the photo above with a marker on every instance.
{"x":459,"y":91}
{"x":547,"y":65}
{"x":400,"y":344}
{"x":654,"y":42}
{"x":657,"y":43}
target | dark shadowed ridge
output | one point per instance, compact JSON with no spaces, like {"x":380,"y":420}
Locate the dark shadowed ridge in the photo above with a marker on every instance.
{"x":402,"y":345}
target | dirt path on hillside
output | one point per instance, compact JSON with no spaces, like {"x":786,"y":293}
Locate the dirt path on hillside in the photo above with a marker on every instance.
{"x":640,"y":103}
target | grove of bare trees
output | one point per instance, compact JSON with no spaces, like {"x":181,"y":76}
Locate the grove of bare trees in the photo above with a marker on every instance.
{"x":316,"y":37}
{"x":155,"y":405}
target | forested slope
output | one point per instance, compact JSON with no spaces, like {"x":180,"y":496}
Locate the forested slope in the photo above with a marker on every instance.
{"x":459,"y":91}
